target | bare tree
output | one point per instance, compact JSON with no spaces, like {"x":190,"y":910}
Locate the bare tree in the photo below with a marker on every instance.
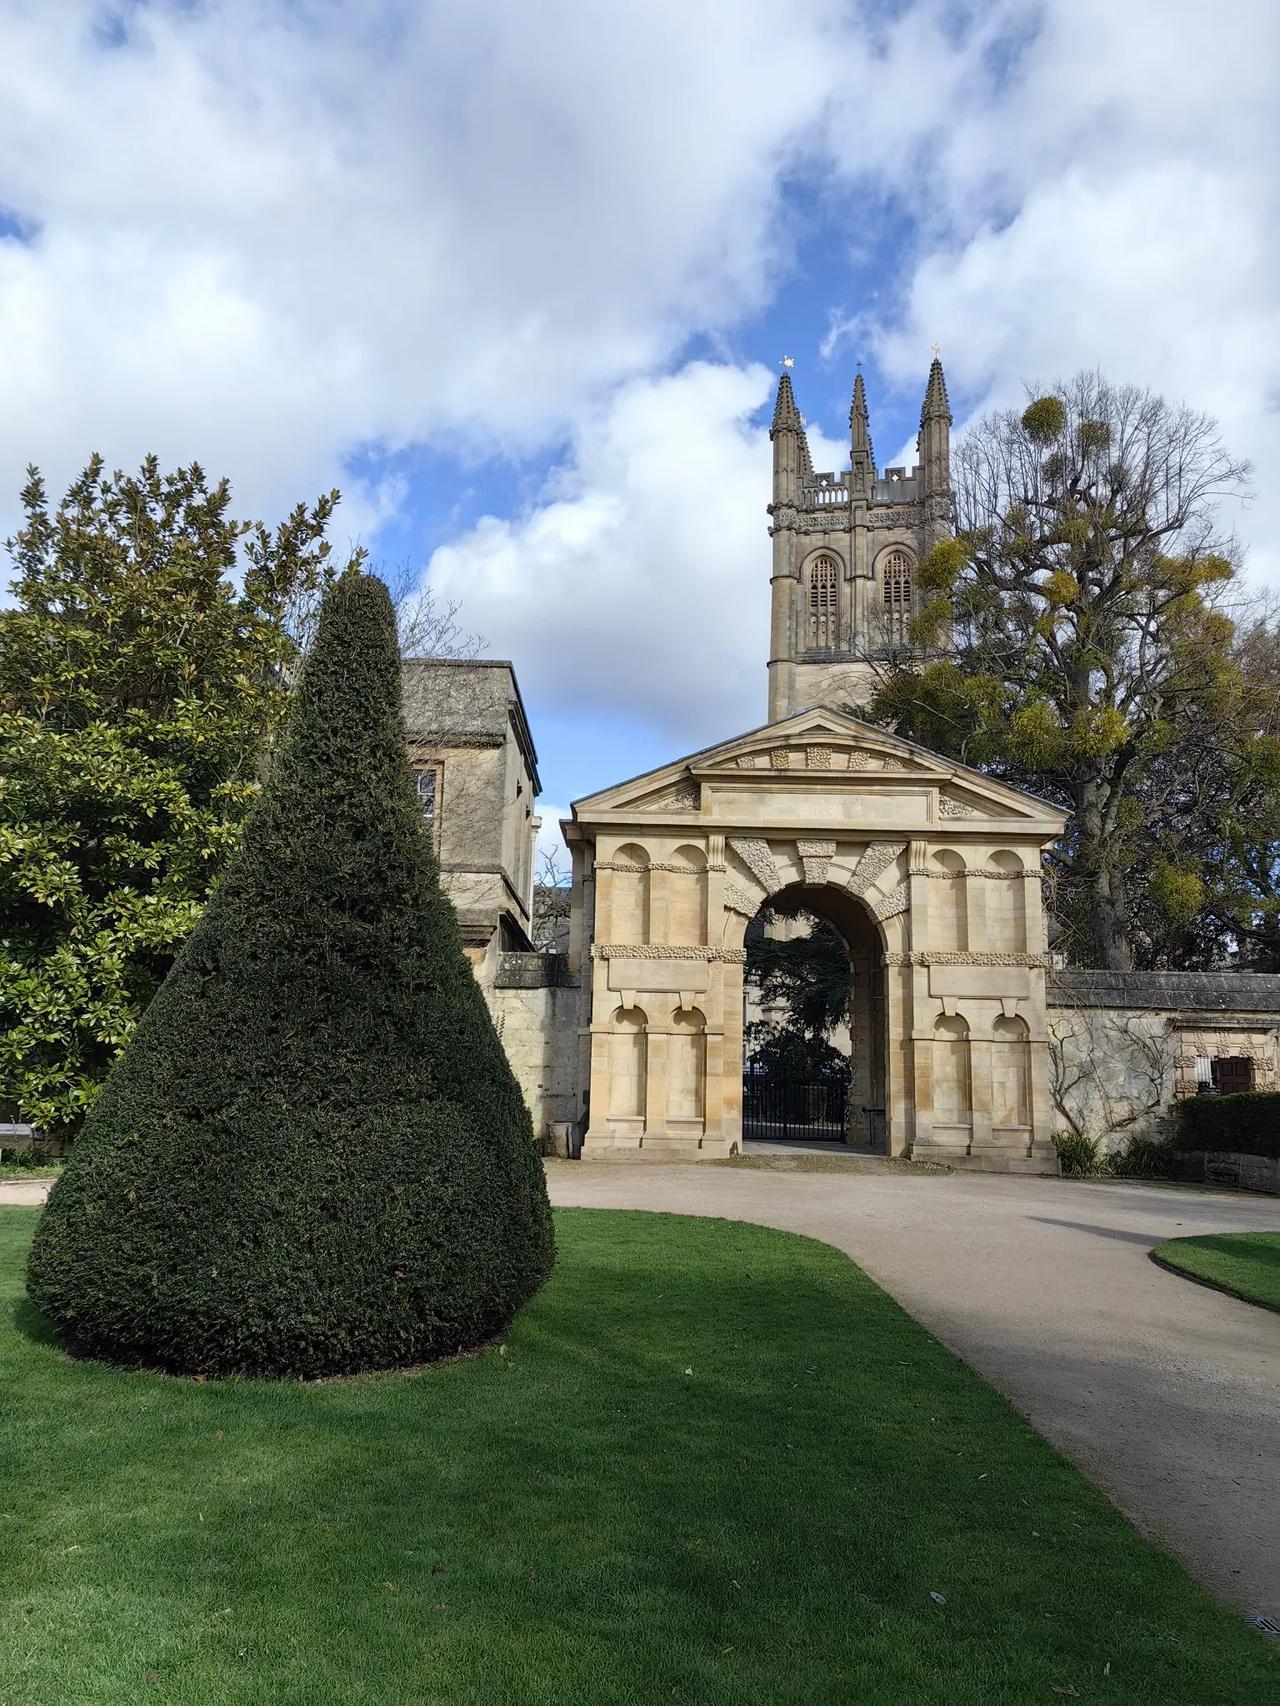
{"x":1108,"y":1073}
{"x":429,"y":625}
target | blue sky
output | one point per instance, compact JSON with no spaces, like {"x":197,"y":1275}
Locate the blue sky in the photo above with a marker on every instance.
{"x":518,"y":280}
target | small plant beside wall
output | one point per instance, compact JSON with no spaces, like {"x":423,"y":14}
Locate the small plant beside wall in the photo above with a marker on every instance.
{"x":1079,"y":1155}
{"x":1139,"y":1157}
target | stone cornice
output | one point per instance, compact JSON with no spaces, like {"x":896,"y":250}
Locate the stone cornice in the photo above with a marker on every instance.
{"x":667,"y":951}
{"x":925,"y":958}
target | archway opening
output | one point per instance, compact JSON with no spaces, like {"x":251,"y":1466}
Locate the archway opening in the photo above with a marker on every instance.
{"x":814,"y":1021}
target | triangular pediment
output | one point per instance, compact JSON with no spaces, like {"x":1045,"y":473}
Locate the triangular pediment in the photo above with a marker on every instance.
{"x":817,"y":749}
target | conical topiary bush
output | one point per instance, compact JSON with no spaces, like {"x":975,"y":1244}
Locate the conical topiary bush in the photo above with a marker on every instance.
{"x":313,"y":1157}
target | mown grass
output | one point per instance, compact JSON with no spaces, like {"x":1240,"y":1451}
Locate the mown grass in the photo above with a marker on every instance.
{"x":1247,"y":1264}
{"x":710,"y":1464}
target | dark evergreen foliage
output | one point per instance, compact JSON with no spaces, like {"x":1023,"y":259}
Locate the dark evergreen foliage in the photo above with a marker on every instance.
{"x":1244,"y":1124}
{"x":313,"y":1158}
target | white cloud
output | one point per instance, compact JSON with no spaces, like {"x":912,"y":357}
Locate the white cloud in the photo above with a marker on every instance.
{"x":266,"y":234}
{"x":1090,"y":184}
{"x":642,"y":585}
{"x":1118,"y":206}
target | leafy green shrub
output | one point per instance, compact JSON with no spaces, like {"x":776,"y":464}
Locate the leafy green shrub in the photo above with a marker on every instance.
{"x":1248,"y":1124}
{"x":34,"y":1157}
{"x":1142,"y":1157}
{"x":313,"y":1158}
{"x":1079,"y":1156}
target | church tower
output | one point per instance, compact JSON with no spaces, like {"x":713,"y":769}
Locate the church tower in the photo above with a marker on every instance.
{"x":845,"y":550}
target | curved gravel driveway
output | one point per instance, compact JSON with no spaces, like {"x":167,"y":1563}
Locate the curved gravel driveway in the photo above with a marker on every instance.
{"x":1165,"y":1393}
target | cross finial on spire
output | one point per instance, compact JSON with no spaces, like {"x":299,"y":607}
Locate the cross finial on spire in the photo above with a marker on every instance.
{"x":937,"y":352}
{"x":787,"y":361}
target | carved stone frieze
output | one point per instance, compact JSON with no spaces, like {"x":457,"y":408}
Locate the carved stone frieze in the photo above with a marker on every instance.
{"x":1031,"y":873}
{"x":919,"y":957}
{"x":755,"y":855}
{"x":781,"y":758}
{"x":668,"y":951}
{"x":818,"y":758}
{"x":653,"y":865}
{"x":873,"y":863}
{"x":948,"y":807}
{"x":685,"y":797}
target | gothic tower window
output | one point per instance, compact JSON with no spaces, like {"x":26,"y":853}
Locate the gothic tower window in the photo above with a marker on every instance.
{"x":824,"y":610}
{"x":895,"y":579}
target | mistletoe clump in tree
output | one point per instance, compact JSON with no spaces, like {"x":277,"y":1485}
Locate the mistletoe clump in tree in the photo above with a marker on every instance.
{"x":313,"y":1158}
{"x":144,"y":674}
{"x":1078,"y":628}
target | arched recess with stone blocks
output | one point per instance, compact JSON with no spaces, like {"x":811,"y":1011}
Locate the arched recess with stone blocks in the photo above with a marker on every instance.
{"x":686,"y":1067}
{"x":1010,"y":1073}
{"x":627,"y":894}
{"x":686,"y":882}
{"x":952,"y":1074}
{"x":948,"y":902}
{"x":1006,"y":902}
{"x":627,"y":1063}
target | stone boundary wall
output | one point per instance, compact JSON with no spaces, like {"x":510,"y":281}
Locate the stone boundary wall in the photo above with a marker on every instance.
{"x":1124,"y":1046}
{"x":1218,"y":1167}
{"x":537,"y":1021}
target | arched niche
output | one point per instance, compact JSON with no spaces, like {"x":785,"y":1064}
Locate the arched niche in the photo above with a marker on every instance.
{"x":629,"y":894}
{"x":822,"y":579}
{"x":687,"y":896}
{"x":627,"y":1063}
{"x":895,"y":575}
{"x":952,"y":1092}
{"x":948,"y":903}
{"x":687,"y":1065}
{"x":1010,"y":1072}
{"x":1006,"y":903}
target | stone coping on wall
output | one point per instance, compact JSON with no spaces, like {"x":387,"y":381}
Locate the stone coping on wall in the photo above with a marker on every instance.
{"x":534,"y":971}
{"x":1167,"y":991}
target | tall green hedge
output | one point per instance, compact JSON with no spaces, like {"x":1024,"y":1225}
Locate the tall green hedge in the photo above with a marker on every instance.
{"x":1247,"y":1124}
{"x":313,"y":1158}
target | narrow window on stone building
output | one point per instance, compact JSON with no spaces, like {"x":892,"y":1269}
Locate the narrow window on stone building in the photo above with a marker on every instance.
{"x":824,"y":613}
{"x":895,"y":577}
{"x":427,"y":783}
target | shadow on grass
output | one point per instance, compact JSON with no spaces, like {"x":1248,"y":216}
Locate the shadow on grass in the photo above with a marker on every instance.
{"x":30,"y":1324}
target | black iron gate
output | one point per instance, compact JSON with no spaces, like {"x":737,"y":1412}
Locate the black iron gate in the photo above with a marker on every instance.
{"x":791,"y":1109}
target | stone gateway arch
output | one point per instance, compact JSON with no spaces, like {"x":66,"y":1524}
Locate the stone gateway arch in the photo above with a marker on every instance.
{"x":930,"y":871}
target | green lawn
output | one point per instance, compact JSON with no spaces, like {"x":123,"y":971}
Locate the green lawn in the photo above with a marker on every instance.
{"x":711,"y":1464}
{"x":1244,"y":1263}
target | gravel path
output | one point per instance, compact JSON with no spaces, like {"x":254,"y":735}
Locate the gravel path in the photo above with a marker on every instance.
{"x":1165,"y":1393}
